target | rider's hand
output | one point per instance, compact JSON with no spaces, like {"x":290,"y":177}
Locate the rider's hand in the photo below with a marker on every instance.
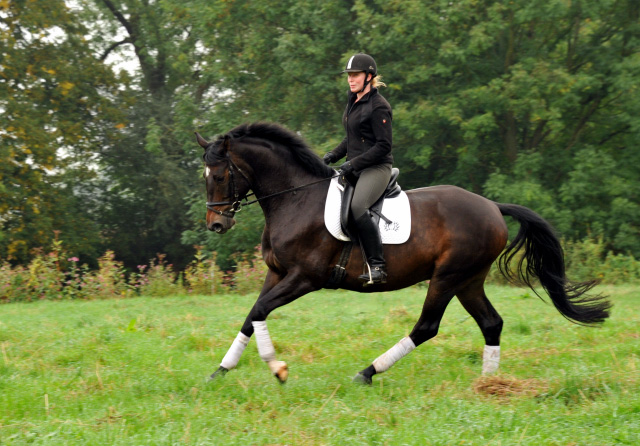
{"x":329,"y":158}
{"x":346,"y":168}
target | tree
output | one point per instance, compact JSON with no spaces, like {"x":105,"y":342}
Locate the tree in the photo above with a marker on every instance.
{"x":56,"y":103}
{"x":270,"y":60}
{"x":151,"y":169}
{"x":534,"y":102}
{"x":482,"y":88}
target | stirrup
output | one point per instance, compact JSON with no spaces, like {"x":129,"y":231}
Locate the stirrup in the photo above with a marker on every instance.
{"x":376,"y":274}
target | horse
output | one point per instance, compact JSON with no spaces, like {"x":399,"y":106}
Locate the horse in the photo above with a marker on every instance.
{"x":455,"y":238}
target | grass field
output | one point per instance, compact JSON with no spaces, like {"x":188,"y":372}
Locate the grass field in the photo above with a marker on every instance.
{"x":132,"y":372}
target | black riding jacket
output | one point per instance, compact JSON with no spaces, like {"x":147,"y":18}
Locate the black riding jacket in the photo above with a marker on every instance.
{"x":368,"y":127}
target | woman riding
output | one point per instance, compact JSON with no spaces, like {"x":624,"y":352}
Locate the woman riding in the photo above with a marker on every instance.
{"x":367,"y":145}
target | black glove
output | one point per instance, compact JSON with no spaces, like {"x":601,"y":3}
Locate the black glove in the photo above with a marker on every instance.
{"x":346,"y":168}
{"x":329,"y":158}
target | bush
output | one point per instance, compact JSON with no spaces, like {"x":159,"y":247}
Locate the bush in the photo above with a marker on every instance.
{"x":13,"y":283}
{"x":586,"y":260}
{"x":159,"y":280}
{"x":202,"y":275}
{"x":250,"y":273}
{"x":109,"y":280}
{"x":56,"y":276}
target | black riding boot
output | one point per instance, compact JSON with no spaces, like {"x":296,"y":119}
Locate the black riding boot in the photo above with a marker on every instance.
{"x":369,"y":234}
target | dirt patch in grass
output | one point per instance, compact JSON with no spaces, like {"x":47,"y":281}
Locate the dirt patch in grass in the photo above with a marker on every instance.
{"x":505,"y":386}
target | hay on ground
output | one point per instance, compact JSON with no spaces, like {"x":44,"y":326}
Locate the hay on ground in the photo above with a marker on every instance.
{"x":506,"y":386}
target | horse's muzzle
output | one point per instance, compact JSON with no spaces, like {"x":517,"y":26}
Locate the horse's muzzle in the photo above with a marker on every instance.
{"x":220,"y":227}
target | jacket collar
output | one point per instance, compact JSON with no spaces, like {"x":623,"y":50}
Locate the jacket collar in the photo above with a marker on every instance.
{"x":365,"y":98}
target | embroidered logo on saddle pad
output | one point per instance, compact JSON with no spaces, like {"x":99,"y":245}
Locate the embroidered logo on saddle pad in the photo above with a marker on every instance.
{"x":395,"y":209}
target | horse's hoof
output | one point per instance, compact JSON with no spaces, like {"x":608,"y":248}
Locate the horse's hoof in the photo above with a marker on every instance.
{"x":218,"y":373}
{"x":282,"y":373}
{"x":361,"y":378}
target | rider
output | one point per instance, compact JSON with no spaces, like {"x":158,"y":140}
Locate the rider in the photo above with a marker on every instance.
{"x":367,"y":145}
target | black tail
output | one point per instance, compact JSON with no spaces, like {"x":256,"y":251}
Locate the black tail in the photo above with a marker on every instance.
{"x":544,"y":259}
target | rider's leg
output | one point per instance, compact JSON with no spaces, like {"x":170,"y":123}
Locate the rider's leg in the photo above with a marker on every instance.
{"x":370,"y":186}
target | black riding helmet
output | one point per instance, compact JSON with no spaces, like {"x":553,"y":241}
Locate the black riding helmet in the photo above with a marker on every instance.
{"x":362,"y":62}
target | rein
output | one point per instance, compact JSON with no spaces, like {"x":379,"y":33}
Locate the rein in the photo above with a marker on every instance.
{"x":236,"y":204}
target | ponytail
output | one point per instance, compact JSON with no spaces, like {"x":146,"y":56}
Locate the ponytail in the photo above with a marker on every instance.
{"x":377,"y":82}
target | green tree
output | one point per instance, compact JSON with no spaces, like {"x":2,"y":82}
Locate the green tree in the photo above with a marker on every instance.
{"x":270,"y":60}
{"x":508,"y":98}
{"x":56,"y":103}
{"x":151,"y":169}
{"x":502,"y":98}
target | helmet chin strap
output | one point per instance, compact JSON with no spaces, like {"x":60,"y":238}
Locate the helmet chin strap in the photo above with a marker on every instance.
{"x":366,"y":81}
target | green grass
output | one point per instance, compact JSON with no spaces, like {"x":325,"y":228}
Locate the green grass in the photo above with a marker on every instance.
{"x":132,"y":372}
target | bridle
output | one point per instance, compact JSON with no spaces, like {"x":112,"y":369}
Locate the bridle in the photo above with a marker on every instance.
{"x":236,"y":203}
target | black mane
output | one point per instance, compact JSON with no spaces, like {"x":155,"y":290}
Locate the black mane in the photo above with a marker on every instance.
{"x":275,"y":133}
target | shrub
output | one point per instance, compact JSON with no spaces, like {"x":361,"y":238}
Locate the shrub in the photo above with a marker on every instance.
{"x":45,"y":276}
{"x":202,"y":275}
{"x":250,"y":273}
{"x":108,"y":281}
{"x":13,"y":283}
{"x":160,"y":279}
{"x":56,"y":276}
{"x":586,"y":260}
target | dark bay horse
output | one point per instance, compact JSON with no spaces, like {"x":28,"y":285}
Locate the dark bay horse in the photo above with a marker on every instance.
{"x":455,"y":237}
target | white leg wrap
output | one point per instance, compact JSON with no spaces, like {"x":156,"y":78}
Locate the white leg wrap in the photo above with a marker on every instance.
{"x":490,"y":359}
{"x":393,"y":355}
{"x":265,"y":346}
{"x":232,"y":357}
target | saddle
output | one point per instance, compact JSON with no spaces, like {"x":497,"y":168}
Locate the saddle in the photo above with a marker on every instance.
{"x":393,"y":190}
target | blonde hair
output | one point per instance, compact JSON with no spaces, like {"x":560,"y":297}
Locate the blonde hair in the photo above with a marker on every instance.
{"x":377,"y":82}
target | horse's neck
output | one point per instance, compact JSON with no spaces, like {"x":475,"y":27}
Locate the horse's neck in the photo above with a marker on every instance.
{"x":271,"y":172}
{"x":272,"y":176}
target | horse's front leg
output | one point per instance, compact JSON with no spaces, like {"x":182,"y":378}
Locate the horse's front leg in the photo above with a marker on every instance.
{"x":276,"y":293}
{"x":291,"y":287}
{"x":241,"y":341}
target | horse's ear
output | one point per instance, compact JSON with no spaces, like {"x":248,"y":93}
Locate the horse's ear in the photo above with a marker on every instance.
{"x":203,"y":142}
{"x":224,"y":147}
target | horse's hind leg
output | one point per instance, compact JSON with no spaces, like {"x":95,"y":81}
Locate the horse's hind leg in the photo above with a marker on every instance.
{"x":441,"y":291}
{"x":474,"y":300}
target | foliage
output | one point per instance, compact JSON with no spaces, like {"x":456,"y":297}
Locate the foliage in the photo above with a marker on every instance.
{"x":123,"y":372}
{"x":240,"y":240}
{"x":588,"y":260}
{"x":58,"y":276}
{"x":160,"y":279}
{"x":150,"y":169}
{"x":530,"y":101}
{"x":56,"y":101}
{"x":249,"y":274}
{"x":203,"y":276}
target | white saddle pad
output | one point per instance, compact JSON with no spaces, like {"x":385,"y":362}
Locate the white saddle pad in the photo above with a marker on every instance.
{"x":395,"y":209}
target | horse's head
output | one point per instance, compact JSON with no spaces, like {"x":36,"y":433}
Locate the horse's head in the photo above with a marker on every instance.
{"x":224,"y":187}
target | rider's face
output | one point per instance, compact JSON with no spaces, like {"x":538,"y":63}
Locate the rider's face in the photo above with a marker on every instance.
{"x":356,"y":81}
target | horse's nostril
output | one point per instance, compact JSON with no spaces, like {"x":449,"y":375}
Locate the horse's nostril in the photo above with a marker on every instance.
{"x":216,"y":227}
